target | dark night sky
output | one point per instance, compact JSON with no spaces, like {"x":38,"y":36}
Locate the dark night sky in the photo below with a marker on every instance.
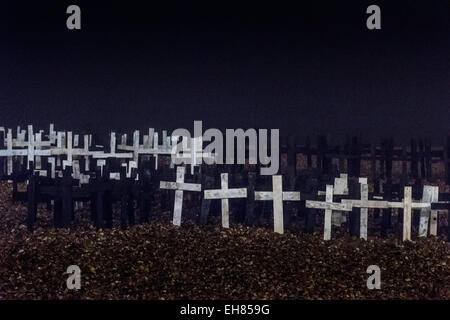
{"x":301,"y":68}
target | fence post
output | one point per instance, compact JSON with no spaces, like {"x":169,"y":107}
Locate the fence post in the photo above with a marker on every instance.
{"x":355,"y":214}
{"x":250,"y":201}
{"x":123,"y":198}
{"x":357,"y":149}
{"x":66,"y":195}
{"x":414,"y":160}
{"x":32,"y":201}
{"x":446,"y":160}
{"x":428,"y":160}
{"x":208,"y":181}
{"x":404,"y":179}
{"x":386,"y":220}
{"x":308,"y":152}
{"x":312,"y":187}
{"x":292,"y":155}
{"x":422,"y":159}
{"x":389,"y":158}
{"x":2,"y":159}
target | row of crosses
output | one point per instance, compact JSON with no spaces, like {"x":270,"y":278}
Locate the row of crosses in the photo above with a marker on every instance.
{"x":61,"y":143}
{"x":225,"y":193}
{"x":277,"y":196}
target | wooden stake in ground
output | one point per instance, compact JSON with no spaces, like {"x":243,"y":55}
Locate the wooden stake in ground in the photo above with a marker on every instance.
{"x":224,"y":194}
{"x":434,"y":213}
{"x":430,"y":194}
{"x":329,"y":206}
{"x":364,"y":211}
{"x":179,"y":186}
{"x":277,"y":196}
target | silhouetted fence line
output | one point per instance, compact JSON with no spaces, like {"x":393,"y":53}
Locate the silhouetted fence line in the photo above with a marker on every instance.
{"x":355,"y":185}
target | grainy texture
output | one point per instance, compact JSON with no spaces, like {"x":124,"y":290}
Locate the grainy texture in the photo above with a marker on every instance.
{"x":160,"y":261}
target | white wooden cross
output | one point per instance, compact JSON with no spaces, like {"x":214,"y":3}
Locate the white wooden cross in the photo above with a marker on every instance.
{"x":329,"y":206}
{"x":224,"y":194}
{"x":407,"y":205}
{"x":277,"y":196}
{"x":364,"y":204}
{"x":340,"y":188}
{"x":179,"y":186}
{"x":30,"y":152}
{"x":430,"y":194}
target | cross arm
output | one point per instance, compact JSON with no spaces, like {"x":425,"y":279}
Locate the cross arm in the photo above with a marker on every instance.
{"x":328,"y":205}
{"x":224,"y":194}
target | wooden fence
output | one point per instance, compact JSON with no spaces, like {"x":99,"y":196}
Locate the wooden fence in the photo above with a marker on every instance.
{"x":63,"y":171}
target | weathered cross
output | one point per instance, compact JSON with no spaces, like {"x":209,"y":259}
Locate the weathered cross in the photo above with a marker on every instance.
{"x":340,"y":188}
{"x":365,"y":204}
{"x":329,"y":206}
{"x":430,"y":194}
{"x":179,"y":186}
{"x":224,"y":194}
{"x":407,"y":205}
{"x":277,"y":196}
{"x":29,"y":152}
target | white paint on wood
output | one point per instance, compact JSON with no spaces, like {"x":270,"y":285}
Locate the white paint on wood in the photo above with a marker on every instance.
{"x":179,"y":186}
{"x":328,"y":213}
{"x":277,"y":196}
{"x":101,"y":163}
{"x":277,"y":186}
{"x":69,"y":146}
{"x":407,"y":206}
{"x":364,"y":211}
{"x":38,"y":141}
{"x":52,"y":133}
{"x":434,"y":213}
{"x":114,"y":175}
{"x":329,"y":206}
{"x":76,"y":169}
{"x":136,"y":145}
{"x":224,"y":194}
{"x":425,"y":212}
{"x":146,"y":143}
{"x":151,"y":133}
{"x":9,"y":148}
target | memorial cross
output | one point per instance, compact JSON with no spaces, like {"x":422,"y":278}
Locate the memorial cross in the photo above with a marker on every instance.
{"x":224,"y":194}
{"x":179,"y":186}
{"x":329,"y":206}
{"x":277,"y":196}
